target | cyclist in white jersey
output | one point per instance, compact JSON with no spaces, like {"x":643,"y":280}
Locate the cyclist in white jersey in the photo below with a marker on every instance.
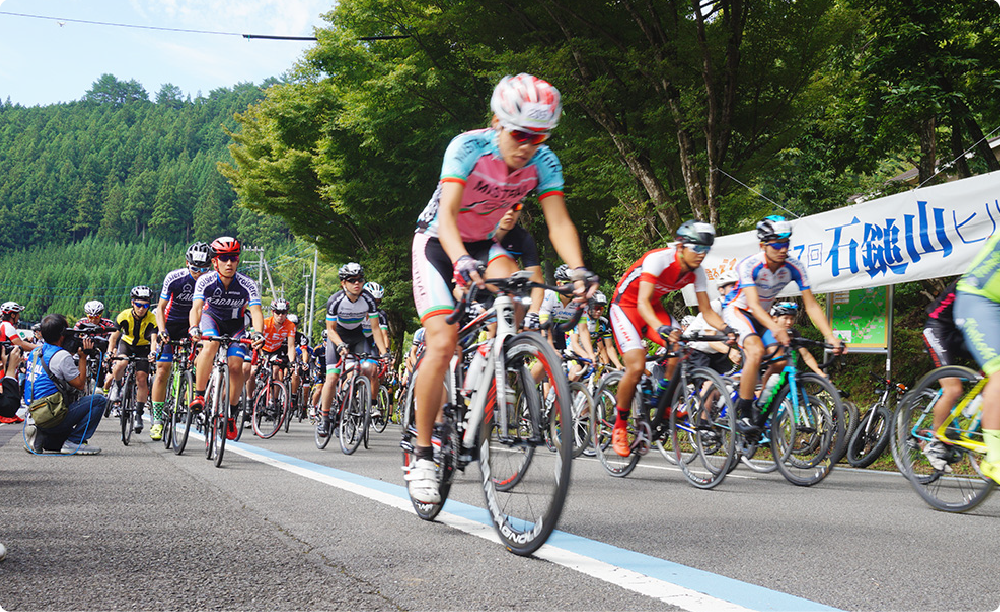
{"x":762,"y":277}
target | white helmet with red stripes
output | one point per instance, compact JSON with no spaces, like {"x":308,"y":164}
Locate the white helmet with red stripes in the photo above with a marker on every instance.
{"x":526,"y":103}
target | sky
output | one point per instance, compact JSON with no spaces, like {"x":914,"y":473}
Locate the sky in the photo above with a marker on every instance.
{"x":43,"y":62}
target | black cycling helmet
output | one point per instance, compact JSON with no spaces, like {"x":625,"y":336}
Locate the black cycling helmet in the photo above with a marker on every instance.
{"x":199,"y":255}
{"x":695,"y":232}
{"x":773,"y":227}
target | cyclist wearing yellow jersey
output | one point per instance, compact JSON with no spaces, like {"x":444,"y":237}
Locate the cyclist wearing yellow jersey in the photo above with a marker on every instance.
{"x":977,"y":314}
{"x":135,"y":336}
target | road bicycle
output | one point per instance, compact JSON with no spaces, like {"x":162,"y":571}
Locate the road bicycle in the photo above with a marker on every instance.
{"x":692,"y":418}
{"x":382,"y":408}
{"x":217,"y":416}
{"x":126,"y":400}
{"x":871,"y":436}
{"x":960,"y":486}
{"x":270,"y":399}
{"x":803,"y":418}
{"x":355,"y":401}
{"x":492,"y":413}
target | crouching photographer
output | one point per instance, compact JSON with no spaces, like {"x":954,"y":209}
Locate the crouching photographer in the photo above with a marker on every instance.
{"x":64,"y":421}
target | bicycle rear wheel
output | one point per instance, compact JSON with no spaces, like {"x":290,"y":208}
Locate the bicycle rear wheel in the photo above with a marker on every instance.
{"x":603,"y":422}
{"x":704,"y":449}
{"x":960,"y":486}
{"x":408,"y":424}
{"x":525,"y":513}
{"x":269,"y":409}
{"x":807,"y":432}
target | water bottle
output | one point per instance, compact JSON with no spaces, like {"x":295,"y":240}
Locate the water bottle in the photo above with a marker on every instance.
{"x":476,"y":368}
{"x":770,"y":389}
{"x":972,"y":407}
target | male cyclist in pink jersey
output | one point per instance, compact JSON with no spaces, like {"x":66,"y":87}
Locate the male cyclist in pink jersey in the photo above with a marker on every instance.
{"x":486,"y":172}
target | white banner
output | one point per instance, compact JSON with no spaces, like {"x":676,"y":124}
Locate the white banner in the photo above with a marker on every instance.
{"x":924,"y":233}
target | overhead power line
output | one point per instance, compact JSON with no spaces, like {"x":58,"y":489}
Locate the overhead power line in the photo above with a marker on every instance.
{"x":162,"y":29}
{"x":63,"y":20}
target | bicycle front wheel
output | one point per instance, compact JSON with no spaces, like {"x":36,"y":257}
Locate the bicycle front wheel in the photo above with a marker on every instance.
{"x":870,"y":439}
{"x":603,"y":423}
{"x":127,"y":410}
{"x":703,"y":428}
{"x":180,"y":421}
{"x":381,"y":418}
{"x":958,"y":485}
{"x":220,"y":416}
{"x":525,"y":513}
{"x":583,"y":408}
{"x":807,"y":430}
{"x":354,"y":416}
{"x":269,"y":409}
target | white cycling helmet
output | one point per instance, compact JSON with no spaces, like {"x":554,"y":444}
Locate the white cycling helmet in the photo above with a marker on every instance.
{"x":93,"y":308}
{"x":294,"y":319}
{"x":9,"y":307}
{"x":141,"y":292}
{"x":375,"y":289}
{"x":727,"y":278}
{"x":526,"y":103}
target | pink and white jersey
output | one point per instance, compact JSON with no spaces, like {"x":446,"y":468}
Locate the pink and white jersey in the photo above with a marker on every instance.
{"x":473,"y":159}
{"x":662,"y":267}
{"x":753,"y":272}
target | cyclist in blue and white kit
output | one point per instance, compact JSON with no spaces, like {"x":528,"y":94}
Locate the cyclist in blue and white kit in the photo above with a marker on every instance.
{"x":485,"y":173}
{"x":172,"y":314}
{"x":217,"y":308}
{"x":762,"y":276}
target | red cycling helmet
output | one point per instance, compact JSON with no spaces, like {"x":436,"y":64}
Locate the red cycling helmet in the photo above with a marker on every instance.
{"x":225,"y":246}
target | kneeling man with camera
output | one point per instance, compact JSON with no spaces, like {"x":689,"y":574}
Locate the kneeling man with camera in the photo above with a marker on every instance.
{"x":64,"y":421}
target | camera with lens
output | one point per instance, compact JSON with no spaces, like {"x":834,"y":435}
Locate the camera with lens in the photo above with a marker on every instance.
{"x":73,"y":342}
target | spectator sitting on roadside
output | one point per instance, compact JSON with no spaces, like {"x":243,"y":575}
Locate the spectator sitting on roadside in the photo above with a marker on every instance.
{"x":69,"y":436}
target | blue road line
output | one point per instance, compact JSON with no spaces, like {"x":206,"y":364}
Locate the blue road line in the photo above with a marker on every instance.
{"x":741,"y":593}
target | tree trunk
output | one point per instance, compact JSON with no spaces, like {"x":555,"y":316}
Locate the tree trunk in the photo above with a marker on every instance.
{"x":928,"y":151}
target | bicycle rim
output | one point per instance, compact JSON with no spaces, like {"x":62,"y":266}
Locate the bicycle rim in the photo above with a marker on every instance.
{"x":126,"y":415}
{"x":704,"y":453}
{"x":524,"y":514}
{"x":963,"y":487}
{"x":603,"y":422}
{"x":384,"y":406}
{"x":805,"y":434}
{"x":870,"y":439}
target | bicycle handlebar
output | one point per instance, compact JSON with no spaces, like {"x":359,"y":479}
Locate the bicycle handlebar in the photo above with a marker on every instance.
{"x":518,"y":283}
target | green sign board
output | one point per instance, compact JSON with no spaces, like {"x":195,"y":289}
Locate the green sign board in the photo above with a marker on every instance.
{"x":861,"y":317}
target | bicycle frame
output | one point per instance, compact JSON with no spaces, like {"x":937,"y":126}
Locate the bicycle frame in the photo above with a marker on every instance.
{"x":964,"y":440}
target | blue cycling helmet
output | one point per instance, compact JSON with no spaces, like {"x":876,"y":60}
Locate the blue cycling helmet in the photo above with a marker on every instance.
{"x":772,"y":228}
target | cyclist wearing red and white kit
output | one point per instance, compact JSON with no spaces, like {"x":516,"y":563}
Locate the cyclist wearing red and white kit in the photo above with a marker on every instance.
{"x":485,"y":173}
{"x":762,"y":276}
{"x":637,"y":313}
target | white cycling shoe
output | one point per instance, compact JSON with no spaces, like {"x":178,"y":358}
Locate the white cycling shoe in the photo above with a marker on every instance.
{"x":423,"y":482}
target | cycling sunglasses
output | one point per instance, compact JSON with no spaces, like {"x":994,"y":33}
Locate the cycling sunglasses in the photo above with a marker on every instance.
{"x":280,"y":312}
{"x":701,"y":249}
{"x":355,"y":279}
{"x":228,"y":258}
{"x":777,"y":246}
{"x":525,"y":137}
{"x":141,"y":304}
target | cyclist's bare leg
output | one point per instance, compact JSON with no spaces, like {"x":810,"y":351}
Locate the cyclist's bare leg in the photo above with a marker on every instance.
{"x":441,"y":339}
{"x":951,"y":392}
{"x":235,"y":378}
{"x":329,"y":390}
{"x":635,"y":365}
{"x":753,"y":354}
{"x":203,"y":365}
{"x":117,"y":371}
{"x":159,"y":391}
{"x":141,"y":386}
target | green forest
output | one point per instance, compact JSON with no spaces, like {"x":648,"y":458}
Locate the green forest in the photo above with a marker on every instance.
{"x":728,"y":111}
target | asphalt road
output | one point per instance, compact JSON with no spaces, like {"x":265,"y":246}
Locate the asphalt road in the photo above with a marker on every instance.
{"x":284,"y":526}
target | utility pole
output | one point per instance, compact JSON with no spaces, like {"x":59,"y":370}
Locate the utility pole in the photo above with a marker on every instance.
{"x":312,"y":294}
